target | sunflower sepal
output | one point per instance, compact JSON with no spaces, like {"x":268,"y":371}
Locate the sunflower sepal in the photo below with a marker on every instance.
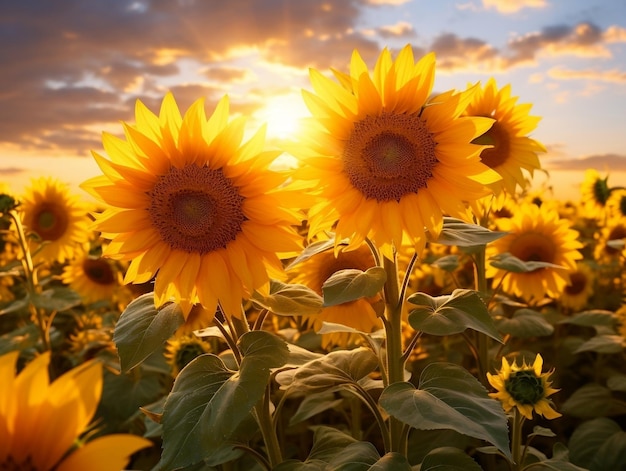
{"x":143,"y":329}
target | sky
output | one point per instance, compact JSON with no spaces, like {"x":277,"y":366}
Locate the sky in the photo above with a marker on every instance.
{"x":72,"y":69}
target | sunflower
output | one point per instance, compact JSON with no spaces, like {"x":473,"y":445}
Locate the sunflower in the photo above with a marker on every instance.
{"x":580,"y":288}
{"x":616,"y":204}
{"x":359,"y":314}
{"x":58,"y":218}
{"x":536,"y":234}
{"x":31,"y":409}
{"x":524,"y":387}
{"x":96,"y":279}
{"x":179,"y":351}
{"x":388,"y":162}
{"x":610,"y":242}
{"x":511,"y":150}
{"x":595,"y":193}
{"x":190,"y":201}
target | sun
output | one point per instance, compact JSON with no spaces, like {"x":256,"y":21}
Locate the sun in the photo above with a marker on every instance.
{"x":282,"y":113}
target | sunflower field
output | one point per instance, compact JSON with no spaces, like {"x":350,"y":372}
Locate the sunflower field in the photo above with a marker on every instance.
{"x":398,"y":299}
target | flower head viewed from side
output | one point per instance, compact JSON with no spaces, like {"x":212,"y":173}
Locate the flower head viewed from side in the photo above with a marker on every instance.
{"x":536,"y":234}
{"x":511,"y":149}
{"x":193,"y":206}
{"x":41,"y":422}
{"x":524,"y":387}
{"x":387,"y":161}
{"x":359,"y":314}
{"x":595,"y":194}
{"x":58,"y":217}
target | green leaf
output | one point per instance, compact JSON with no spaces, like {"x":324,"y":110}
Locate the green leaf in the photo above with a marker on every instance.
{"x":591,"y":318}
{"x":392,"y":461}
{"x":334,"y":368}
{"x":525,"y":323}
{"x":314,"y":249}
{"x":456,"y":232}
{"x":602,"y":344}
{"x":617,"y":382}
{"x":289,"y":299}
{"x":208,"y":402}
{"x":358,"y":456}
{"x":509,"y":262}
{"x":449,"y":459}
{"x":142,"y":329}
{"x":448,"y":263}
{"x":449,"y":397}
{"x":349,"y":285}
{"x":612,"y":453}
{"x":591,"y":400}
{"x":328,"y":442}
{"x":59,"y":299}
{"x":589,"y":437}
{"x":15,"y":306}
{"x":541,"y":432}
{"x":313,"y":404}
{"x":451,"y":314}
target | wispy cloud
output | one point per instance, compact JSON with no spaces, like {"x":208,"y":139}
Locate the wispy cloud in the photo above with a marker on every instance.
{"x":513,"y":6}
{"x":600,"y":162}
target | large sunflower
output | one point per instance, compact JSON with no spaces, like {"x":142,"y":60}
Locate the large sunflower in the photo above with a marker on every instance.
{"x":40,"y":422}
{"x":358,"y":314}
{"x":387,"y":161}
{"x":58,"y":217}
{"x":191,"y":202}
{"x":511,"y":149}
{"x":536,"y":234}
{"x":524,"y":387}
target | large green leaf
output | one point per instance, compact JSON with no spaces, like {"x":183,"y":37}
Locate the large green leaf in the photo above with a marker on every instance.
{"x":451,"y":314}
{"x":458,"y":233}
{"x":59,"y":299}
{"x":314,"y":249}
{"x":612,"y":454}
{"x":142,"y":329}
{"x":449,"y":397}
{"x":589,"y":437}
{"x":509,"y":262}
{"x":357,"y":456}
{"x":289,"y":299}
{"x":449,"y":459}
{"x":349,"y":285}
{"x":525,"y":323}
{"x":602,"y":344}
{"x":334,"y":368}
{"x":589,"y":401}
{"x":209,"y":402}
{"x":313,"y":404}
{"x":597,"y":318}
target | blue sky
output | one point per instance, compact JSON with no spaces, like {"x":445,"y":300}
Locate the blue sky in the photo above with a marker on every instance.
{"x":73,"y":68}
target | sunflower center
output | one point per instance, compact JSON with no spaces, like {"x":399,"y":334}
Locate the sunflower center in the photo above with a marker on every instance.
{"x":601,"y":191}
{"x":389,"y":156}
{"x":622,"y":206}
{"x":196,"y":209}
{"x":577,"y":283}
{"x":50,"y":221}
{"x":99,"y":271}
{"x":533,"y":247}
{"x":525,"y":387}
{"x":616,"y":233}
{"x":497,"y":137}
{"x":9,"y":464}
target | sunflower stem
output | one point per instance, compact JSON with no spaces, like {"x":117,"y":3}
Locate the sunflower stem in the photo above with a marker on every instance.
{"x":516,"y":439}
{"x":268,"y":431}
{"x":395,"y":359}
{"x":482,"y":341}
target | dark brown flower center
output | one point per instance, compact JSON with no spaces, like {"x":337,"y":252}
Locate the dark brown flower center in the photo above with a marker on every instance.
{"x":389,"y":156}
{"x":99,"y":271}
{"x":196,"y":209}
{"x":577,"y":284}
{"x":498,"y":137}
{"x":617,"y":233}
{"x":533,"y":247}
{"x":50,"y":221}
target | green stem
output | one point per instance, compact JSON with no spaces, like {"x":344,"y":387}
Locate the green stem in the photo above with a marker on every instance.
{"x":395,"y":360}
{"x":482,"y":340}
{"x":516,"y":439}
{"x":268,"y":432}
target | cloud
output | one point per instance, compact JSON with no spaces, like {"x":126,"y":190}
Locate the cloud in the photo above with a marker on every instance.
{"x":600,"y":162}
{"x":582,"y":40}
{"x":454,"y":53}
{"x":402,"y":29}
{"x":611,"y":75}
{"x":513,"y":6}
